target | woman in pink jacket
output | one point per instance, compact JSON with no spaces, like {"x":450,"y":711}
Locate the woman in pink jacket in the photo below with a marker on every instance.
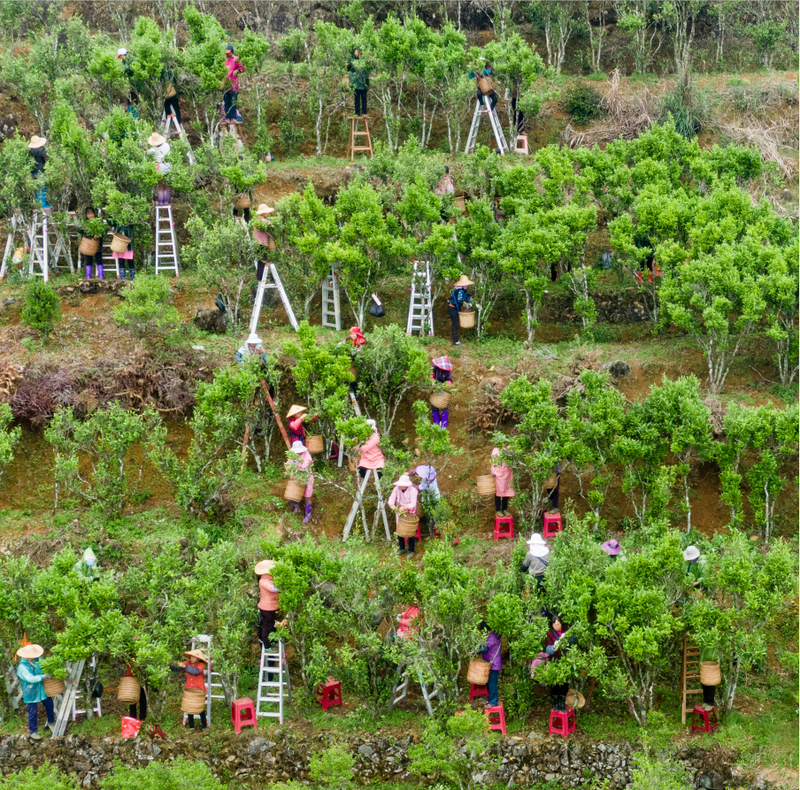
{"x":302,"y":462}
{"x":403,"y":499}
{"x":370,"y":455}
{"x":503,"y":477}
{"x":231,"y":85}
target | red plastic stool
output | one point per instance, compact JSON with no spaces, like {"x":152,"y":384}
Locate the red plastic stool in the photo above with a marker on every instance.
{"x":564,"y":722}
{"x":552,"y":525}
{"x":329,"y":693}
{"x":503,"y":527}
{"x":243,"y":714}
{"x":705,"y":715}
{"x":496,"y":717}
{"x":477,"y":690}
{"x":418,"y":536}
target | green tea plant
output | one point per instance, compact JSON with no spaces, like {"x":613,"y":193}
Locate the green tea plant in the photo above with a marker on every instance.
{"x":42,"y":308}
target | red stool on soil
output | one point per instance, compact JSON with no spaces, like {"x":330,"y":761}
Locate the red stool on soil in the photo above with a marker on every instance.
{"x":564,"y":722}
{"x":329,"y":693}
{"x":503,"y":527}
{"x":477,"y":690}
{"x":496,"y":717}
{"x":243,"y":714}
{"x":552,"y":525}
{"x":705,"y":717}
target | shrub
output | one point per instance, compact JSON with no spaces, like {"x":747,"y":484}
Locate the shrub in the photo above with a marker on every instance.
{"x":583,"y":102}
{"x":42,"y":308}
{"x":159,"y":776}
{"x":333,"y":767}
{"x":48,"y":777}
{"x":147,"y":310}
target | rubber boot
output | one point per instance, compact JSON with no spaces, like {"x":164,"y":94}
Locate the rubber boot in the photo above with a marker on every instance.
{"x":435,"y":416}
{"x":132,"y":273}
{"x":295,"y":507}
{"x":308,"y":514}
{"x":122,"y":272}
{"x":88,"y":271}
{"x":445,"y":416}
{"x":100,"y":272}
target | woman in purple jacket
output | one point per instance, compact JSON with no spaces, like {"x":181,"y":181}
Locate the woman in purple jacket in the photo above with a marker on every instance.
{"x":491,"y":653}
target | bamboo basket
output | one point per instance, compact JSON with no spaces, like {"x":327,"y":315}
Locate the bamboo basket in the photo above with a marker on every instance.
{"x":351,"y":464}
{"x":440,"y":400}
{"x":288,"y":652}
{"x":88,"y":246}
{"x":243,"y":201}
{"x":119,"y":243}
{"x":314,"y":444}
{"x":194,"y":701}
{"x":270,"y":244}
{"x":478,"y":671}
{"x":54,"y":686}
{"x":710,"y":673}
{"x":129,"y":690}
{"x":407,"y":525}
{"x":485,"y":485}
{"x":294,"y":491}
{"x":466,"y":320}
{"x":460,"y":203}
{"x":551,"y":481}
{"x":383,"y":628}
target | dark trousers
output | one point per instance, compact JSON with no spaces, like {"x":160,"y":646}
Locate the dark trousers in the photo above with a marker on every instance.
{"x":558,"y":690}
{"x":203,"y":720}
{"x":231,"y":101}
{"x":362,"y":471}
{"x":142,"y":706}
{"x":500,"y":503}
{"x":260,"y":265}
{"x":411,"y":543}
{"x":171,"y":107}
{"x":361,"y":101}
{"x":708,"y":694}
{"x":96,"y":259}
{"x":245,"y":213}
{"x":33,"y":710}
{"x":492,"y":98}
{"x":453,"y":313}
{"x":552,"y":493}
{"x":491,"y":687}
{"x":267,"y":626}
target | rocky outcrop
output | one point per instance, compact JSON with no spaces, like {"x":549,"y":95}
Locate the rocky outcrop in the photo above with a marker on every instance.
{"x":625,"y":306}
{"x":275,"y":756}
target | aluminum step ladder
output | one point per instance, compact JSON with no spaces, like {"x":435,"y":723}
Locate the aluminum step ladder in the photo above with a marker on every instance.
{"x":271,"y":272}
{"x":230,"y":128}
{"x":171,"y":126}
{"x":690,"y":675}
{"x":272,"y":692}
{"x":331,"y":312}
{"x":166,"y":243}
{"x":65,"y":703}
{"x":38,"y":241}
{"x":420,"y":308}
{"x":13,"y":686}
{"x":59,"y":247}
{"x":17,"y":227}
{"x":213,"y":681}
{"x":358,"y":504}
{"x":400,"y":689}
{"x":98,"y":710}
{"x":355,"y":132}
{"x":494,"y":121}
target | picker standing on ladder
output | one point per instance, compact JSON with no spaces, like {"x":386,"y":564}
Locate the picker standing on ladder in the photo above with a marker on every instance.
{"x":194,"y":669}
{"x":171,"y":100}
{"x":38,"y":152}
{"x":32,"y":681}
{"x":403,"y":499}
{"x":442,"y":374}
{"x":485,"y":82}
{"x":269,"y":602}
{"x":159,"y":150}
{"x":370,"y":454}
{"x":356,"y":337}
{"x":359,"y":82}
{"x":459,"y":296}
{"x":231,"y":86}
{"x":300,"y":463}
{"x":262,"y":238}
{"x":133,"y":96}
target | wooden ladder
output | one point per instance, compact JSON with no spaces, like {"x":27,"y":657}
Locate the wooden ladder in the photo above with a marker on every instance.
{"x":690,"y":674}
{"x":354,"y":132}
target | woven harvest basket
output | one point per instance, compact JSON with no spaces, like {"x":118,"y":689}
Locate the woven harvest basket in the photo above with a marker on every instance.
{"x":54,"y":686}
{"x":440,"y":400}
{"x":194,"y":701}
{"x":314,"y":444}
{"x":243,"y":201}
{"x":460,"y":203}
{"x":383,"y":628}
{"x":478,"y":671}
{"x":88,"y":246}
{"x":466,"y":320}
{"x":294,"y":491}
{"x":119,"y":242}
{"x":407,"y":525}
{"x":129,"y":690}
{"x":485,"y":485}
{"x":710,"y":673}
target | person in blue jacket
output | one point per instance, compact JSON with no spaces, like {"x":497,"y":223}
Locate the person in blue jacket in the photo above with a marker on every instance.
{"x":486,"y":74}
{"x":459,"y":297}
{"x":32,"y":681}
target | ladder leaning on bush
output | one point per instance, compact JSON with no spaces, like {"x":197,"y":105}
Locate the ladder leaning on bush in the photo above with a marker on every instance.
{"x":690,"y":675}
{"x":420,"y":308}
{"x":271,"y":692}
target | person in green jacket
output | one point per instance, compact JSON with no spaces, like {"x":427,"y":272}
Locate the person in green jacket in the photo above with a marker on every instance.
{"x":359,"y":82}
{"x":32,"y":681}
{"x":692,"y":554}
{"x":86,"y":566}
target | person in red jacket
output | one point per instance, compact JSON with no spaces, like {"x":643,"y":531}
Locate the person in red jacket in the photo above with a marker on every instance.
{"x":194,"y":669}
{"x":554,"y":644}
{"x":296,"y":416}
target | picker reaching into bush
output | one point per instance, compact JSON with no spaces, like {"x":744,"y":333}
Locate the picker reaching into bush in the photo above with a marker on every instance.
{"x":503,"y":477}
{"x":554,"y":645}
{"x":370,"y":455}
{"x":231,"y":85}
{"x":442,"y":374}
{"x":297,"y":431}
{"x":359,"y":82}
{"x":485,"y":82}
{"x":298,"y":464}
{"x":194,"y":669}
{"x":36,"y":148}
{"x":32,"y":682}
{"x":402,"y":500}
{"x":268,"y":602}
{"x":92,"y":238}
{"x":459,"y":296}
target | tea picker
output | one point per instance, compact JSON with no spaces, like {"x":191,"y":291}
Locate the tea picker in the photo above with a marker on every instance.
{"x":503,"y":478}
{"x":91,"y":249}
{"x":457,"y":310}
{"x":32,"y":682}
{"x":537,"y":558}
{"x":491,"y":653}
{"x":194,"y":692}
{"x":442,"y":373}
{"x":269,"y":600}
{"x":403,"y":500}
{"x":86,"y":566}
{"x":251,"y":347}
{"x":296,"y":467}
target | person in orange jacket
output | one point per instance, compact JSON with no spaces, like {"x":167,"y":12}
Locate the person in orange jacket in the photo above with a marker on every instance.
{"x":194,"y":669}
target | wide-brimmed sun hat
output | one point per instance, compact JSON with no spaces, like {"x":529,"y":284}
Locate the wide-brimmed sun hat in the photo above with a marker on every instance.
{"x":403,"y":481}
{"x":156,"y":139}
{"x":263,"y":208}
{"x":443,"y":363}
{"x":372,"y":424}
{"x":463,"y":282}
{"x":297,"y":447}
{"x":198,"y":654}
{"x":691,"y":553}
{"x":537,"y":546}
{"x":575,"y":699}
{"x":611,"y":547}
{"x":265,"y":566}
{"x":296,"y":410}
{"x":253,"y":340}
{"x":30,"y":651}
{"x":37,"y":142}
{"x":121,"y":52}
